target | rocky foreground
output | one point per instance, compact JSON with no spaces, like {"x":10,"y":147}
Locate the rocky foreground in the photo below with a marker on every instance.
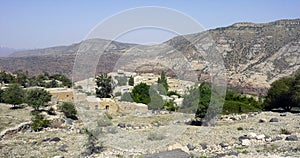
{"x":265,"y":134}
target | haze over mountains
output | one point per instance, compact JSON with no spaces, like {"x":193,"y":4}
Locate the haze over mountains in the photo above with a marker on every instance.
{"x":254,"y":55}
{"x":5,"y":51}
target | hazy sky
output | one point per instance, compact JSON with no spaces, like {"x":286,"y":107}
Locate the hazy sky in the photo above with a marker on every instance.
{"x":45,"y":23}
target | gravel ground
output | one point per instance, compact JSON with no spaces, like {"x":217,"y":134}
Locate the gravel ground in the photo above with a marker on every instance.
{"x":145,"y":134}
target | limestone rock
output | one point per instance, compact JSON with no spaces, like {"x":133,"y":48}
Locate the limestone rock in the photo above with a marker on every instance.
{"x":245,"y":142}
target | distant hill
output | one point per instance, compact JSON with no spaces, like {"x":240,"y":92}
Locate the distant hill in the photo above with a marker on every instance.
{"x":254,"y":54}
{"x":5,"y":51}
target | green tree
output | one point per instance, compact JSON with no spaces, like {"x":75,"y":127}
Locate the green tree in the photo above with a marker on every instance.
{"x":6,"y":77}
{"x":14,"y":95}
{"x":1,"y":96}
{"x":39,"y":122}
{"x":65,"y":80}
{"x":37,"y":98}
{"x":204,"y":99}
{"x":295,"y":90}
{"x":69,"y":110}
{"x":163,"y":81}
{"x":21,"y":78}
{"x":284,"y":93}
{"x":131,"y":81}
{"x":53,"y":84}
{"x":140,"y":93}
{"x":104,"y":86}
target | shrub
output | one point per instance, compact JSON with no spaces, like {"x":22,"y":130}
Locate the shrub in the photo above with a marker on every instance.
{"x":156,"y":136}
{"x":69,"y":110}
{"x":240,"y":128}
{"x":170,"y":106}
{"x":285,"y":131}
{"x":231,"y":106}
{"x":131,"y":81}
{"x":140,"y":93}
{"x":39,"y":122}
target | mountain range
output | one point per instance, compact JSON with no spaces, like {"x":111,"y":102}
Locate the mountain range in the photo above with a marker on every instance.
{"x":5,"y":51}
{"x":254,"y":55}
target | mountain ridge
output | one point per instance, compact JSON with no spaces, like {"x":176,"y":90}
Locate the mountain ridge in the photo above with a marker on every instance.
{"x":254,"y":54}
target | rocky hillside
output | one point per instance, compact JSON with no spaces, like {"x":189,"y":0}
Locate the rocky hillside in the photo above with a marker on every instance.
{"x":254,"y":55}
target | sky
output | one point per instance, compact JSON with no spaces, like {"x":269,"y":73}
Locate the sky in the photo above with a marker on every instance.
{"x":35,"y":24}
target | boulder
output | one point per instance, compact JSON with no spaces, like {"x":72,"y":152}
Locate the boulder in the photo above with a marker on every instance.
{"x":176,"y":153}
{"x":251,"y":135}
{"x":54,"y":139}
{"x":69,"y":121}
{"x":122,"y":125}
{"x":276,"y":138}
{"x":245,"y":142}
{"x":224,"y":145}
{"x":262,"y":120}
{"x":190,"y":147}
{"x":63,"y":148}
{"x":260,"y":137}
{"x":274,"y":120}
{"x":268,"y":139}
{"x":291,"y":138}
{"x":243,"y":137}
{"x":46,"y":140}
{"x":203,"y":146}
{"x":283,"y":114}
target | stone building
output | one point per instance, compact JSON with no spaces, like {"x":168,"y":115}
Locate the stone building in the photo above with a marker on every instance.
{"x":61,"y":94}
{"x":106,"y":104}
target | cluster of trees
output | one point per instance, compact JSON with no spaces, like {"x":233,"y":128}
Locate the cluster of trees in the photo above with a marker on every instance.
{"x":284,"y":94}
{"x":42,"y":80}
{"x":199,"y":98}
{"x":151,"y":95}
{"x":15,"y":95}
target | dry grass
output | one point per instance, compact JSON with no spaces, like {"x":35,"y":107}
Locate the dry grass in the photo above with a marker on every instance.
{"x":12,"y":117}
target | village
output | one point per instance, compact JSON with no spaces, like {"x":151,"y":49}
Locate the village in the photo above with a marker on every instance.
{"x":110,"y":127}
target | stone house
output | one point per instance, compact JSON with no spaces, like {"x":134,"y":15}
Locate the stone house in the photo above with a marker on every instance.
{"x":106,"y":104}
{"x":61,"y":94}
